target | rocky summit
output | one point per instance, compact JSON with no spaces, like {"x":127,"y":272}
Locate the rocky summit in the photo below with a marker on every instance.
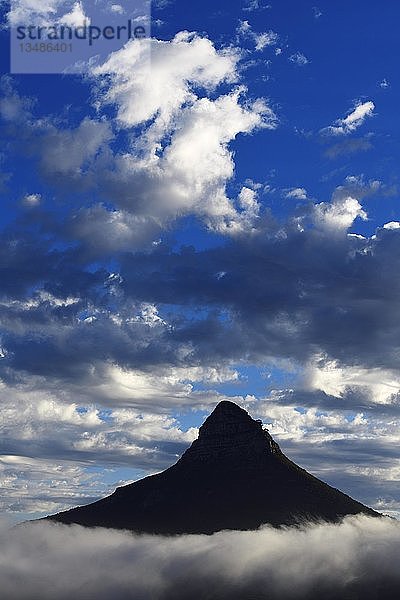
{"x":231,"y":437}
{"x":234,"y":476}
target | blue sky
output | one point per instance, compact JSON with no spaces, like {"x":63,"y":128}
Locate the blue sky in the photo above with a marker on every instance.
{"x":222,"y":225}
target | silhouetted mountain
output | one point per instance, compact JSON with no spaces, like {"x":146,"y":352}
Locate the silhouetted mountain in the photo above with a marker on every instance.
{"x":234,"y":476}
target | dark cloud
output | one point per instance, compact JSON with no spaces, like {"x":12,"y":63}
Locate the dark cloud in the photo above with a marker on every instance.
{"x":289,"y":293}
{"x":356,"y":399}
{"x":355,"y":559}
{"x":292,"y":296}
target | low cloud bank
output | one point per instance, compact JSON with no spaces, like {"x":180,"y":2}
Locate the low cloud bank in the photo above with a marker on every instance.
{"x":358,"y":558}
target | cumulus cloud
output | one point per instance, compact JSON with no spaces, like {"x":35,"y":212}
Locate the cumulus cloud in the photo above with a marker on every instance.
{"x":339,"y":215}
{"x":182,"y":161}
{"x":354,"y":119}
{"x":177,"y":66}
{"x":356,"y":557}
{"x":180,"y":130}
{"x":345,"y":207}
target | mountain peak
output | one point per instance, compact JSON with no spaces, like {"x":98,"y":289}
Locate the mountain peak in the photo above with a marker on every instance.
{"x":230,"y":435}
{"x":234,"y":476}
{"x":228,"y":406}
{"x":228,"y":413}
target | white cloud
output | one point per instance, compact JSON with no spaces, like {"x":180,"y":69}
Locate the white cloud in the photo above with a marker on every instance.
{"x":198,"y":159}
{"x":339,"y":215}
{"x":357,"y":557}
{"x":51,"y":12}
{"x":297,"y":193}
{"x":31,"y":200}
{"x":188,"y":60}
{"x":392,"y":225}
{"x":381,"y":385}
{"x":345,"y":206}
{"x":34,"y":11}
{"x":125,"y":421}
{"x":75,"y":18}
{"x":261,"y":40}
{"x":66,"y":432}
{"x":265,"y":39}
{"x":189,"y":176}
{"x":182,"y":161}
{"x":248,"y":200}
{"x":354,"y":120}
{"x":117,"y":8}
{"x":32,"y":487}
{"x":252,"y":5}
{"x":299,"y":59}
